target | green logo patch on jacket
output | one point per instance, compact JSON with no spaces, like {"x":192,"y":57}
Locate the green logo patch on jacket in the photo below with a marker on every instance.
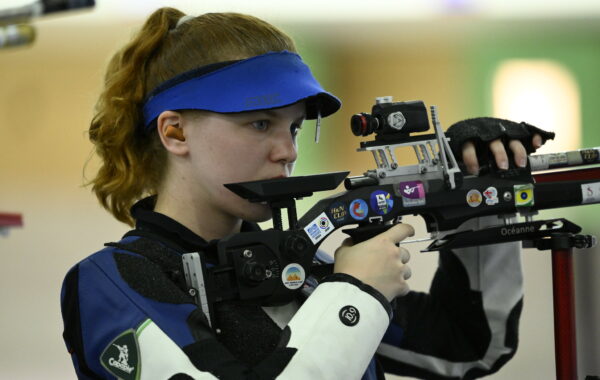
{"x":122,"y":356}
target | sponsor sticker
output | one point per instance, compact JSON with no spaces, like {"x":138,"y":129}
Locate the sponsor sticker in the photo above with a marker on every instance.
{"x":413,"y":193}
{"x":556,"y":159}
{"x":381,"y":202}
{"x":349,"y":315}
{"x":474,"y":198}
{"x":546,"y":161}
{"x":338,"y":212}
{"x":491,"y":196}
{"x":590,"y":193}
{"x":122,"y":356}
{"x":293,"y":276}
{"x":320,"y":227}
{"x":359,"y":209}
{"x":523,"y":195}
{"x":589,"y":156}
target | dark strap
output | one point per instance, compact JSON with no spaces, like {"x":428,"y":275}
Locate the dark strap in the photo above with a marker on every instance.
{"x":73,"y":333}
{"x":168,"y":259}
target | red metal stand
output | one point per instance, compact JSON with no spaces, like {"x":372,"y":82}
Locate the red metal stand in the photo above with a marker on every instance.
{"x":565,"y":345}
{"x":565,"y":341}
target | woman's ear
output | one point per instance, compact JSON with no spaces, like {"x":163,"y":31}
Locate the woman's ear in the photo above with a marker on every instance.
{"x":171,"y":132}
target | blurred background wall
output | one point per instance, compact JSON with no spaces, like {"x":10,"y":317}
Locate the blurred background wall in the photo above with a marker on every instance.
{"x":529,"y":60}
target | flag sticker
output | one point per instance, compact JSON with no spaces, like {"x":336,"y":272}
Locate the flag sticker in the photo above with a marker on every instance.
{"x":523,"y":195}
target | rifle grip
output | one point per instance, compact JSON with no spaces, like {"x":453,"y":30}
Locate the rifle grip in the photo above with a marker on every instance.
{"x":366,"y":232}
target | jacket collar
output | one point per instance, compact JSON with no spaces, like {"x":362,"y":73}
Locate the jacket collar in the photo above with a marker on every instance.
{"x":166,"y":228}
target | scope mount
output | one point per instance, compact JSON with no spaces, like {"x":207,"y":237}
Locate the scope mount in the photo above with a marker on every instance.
{"x":432,"y":150}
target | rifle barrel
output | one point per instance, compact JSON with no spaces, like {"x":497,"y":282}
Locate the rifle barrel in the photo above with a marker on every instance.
{"x":580,"y":157}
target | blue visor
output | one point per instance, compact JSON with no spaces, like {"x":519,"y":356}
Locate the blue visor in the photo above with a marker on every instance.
{"x":267,"y":81}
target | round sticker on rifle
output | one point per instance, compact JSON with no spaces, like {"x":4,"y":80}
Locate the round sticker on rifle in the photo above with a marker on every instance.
{"x":293,"y":276}
{"x":324,"y":223}
{"x":474,"y":198}
{"x":381,"y":202}
{"x":491,"y":196}
{"x":358,"y":209}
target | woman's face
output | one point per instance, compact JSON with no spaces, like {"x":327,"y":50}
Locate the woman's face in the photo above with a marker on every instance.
{"x":249,"y":146}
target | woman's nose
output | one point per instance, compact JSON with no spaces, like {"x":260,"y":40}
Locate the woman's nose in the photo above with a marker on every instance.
{"x":284,"y":148}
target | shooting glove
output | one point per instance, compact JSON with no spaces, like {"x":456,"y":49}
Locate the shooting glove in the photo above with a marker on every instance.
{"x":482,"y":130}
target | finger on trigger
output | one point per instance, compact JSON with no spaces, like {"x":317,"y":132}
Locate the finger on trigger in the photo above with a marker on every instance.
{"x":469,"y":156}
{"x":499,"y":152}
{"x":519,"y":153}
{"x":399,"y":232}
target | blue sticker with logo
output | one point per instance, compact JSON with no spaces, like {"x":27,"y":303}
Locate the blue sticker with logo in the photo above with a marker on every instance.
{"x":381,"y":202}
{"x":359,"y":209}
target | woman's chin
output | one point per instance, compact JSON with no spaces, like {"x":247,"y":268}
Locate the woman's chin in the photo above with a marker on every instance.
{"x":257,"y":213}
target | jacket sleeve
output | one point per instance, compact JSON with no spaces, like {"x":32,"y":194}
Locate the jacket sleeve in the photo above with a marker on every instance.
{"x":467,"y":325}
{"x":111,"y":329}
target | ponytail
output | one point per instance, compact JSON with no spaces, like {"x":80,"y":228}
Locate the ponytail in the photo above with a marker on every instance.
{"x":124,"y":175}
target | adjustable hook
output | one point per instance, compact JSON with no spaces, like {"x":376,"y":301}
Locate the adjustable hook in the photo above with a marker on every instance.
{"x":318,"y":126}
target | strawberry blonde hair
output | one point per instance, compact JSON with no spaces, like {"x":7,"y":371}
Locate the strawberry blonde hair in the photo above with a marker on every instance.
{"x":134,"y":163}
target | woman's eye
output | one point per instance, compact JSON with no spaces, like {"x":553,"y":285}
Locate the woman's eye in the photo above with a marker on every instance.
{"x":295,"y":129}
{"x":260,"y":125}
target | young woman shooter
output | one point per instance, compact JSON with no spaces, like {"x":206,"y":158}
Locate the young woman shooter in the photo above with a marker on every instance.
{"x":190,"y":104}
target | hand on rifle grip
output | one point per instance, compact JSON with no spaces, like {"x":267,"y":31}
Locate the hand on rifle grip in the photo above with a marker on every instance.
{"x":379,"y":261}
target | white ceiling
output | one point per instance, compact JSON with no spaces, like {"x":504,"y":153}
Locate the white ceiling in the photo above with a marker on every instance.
{"x":335,"y":11}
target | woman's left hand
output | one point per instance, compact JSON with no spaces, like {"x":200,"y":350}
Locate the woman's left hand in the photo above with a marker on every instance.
{"x":469,"y":155}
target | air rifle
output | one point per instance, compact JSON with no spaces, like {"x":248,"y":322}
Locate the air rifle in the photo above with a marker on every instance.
{"x":270,"y":266}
